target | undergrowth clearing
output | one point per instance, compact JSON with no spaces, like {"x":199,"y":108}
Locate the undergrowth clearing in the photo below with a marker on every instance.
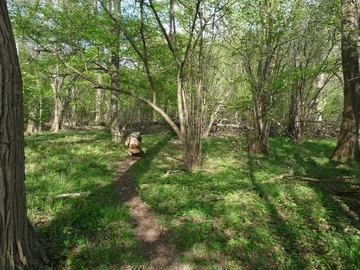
{"x":238,"y":211}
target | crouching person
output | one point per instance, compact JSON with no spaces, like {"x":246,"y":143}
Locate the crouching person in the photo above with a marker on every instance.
{"x":133,"y":142}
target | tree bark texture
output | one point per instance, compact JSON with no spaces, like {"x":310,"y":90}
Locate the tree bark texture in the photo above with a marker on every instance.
{"x":19,"y":247}
{"x":347,"y":147}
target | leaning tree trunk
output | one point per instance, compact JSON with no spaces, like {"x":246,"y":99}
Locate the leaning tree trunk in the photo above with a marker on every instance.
{"x":19,"y":246}
{"x":347,"y":147}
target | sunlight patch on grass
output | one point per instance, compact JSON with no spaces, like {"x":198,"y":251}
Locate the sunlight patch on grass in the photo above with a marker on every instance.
{"x":233,"y":213}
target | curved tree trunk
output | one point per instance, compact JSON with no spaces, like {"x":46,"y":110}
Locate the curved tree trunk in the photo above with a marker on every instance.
{"x":19,"y":247}
{"x":347,"y":147}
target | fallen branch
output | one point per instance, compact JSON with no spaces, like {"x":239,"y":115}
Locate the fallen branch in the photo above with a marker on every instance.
{"x":324,"y":180}
{"x":71,"y":195}
{"x":347,"y":191}
{"x":279,"y":177}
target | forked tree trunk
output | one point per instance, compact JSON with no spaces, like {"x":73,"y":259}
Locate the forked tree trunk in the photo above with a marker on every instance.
{"x":19,"y":246}
{"x":347,"y":147}
{"x":296,"y":104}
{"x":259,"y":137}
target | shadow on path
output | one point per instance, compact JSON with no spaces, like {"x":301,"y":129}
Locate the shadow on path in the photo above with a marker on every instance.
{"x":154,"y":239}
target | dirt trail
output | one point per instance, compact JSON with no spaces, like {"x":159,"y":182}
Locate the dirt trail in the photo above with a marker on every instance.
{"x":154,"y":239}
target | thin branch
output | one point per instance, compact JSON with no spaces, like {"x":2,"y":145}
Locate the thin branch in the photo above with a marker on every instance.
{"x":338,"y":181}
{"x":128,"y":93}
{"x":72,"y":195}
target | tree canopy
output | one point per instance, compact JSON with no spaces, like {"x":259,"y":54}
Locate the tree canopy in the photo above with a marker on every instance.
{"x":270,"y":66}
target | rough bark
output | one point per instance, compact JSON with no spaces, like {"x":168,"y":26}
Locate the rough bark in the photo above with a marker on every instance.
{"x":347,"y":147}
{"x":19,"y":246}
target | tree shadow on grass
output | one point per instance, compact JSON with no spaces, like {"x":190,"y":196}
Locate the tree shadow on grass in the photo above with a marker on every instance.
{"x":326,"y":224}
{"x":341,"y":215}
{"x":97,"y":231}
{"x":246,"y":219}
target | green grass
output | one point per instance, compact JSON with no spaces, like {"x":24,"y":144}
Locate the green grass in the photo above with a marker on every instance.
{"x":233,"y":213}
{"x":87,"y":232}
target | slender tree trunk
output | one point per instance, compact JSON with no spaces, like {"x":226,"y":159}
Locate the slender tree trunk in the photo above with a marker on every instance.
{"x":259,"y":137}
{"x":296,"y":103}
{"x":31,"y":126}
{"x":319,"y":102}
{"x":347,"y":147}
{"x":259,"y":140}
{"x":115,"y":82}
{"x":98,"y":105}
{"x":19,"y":246}
{"x":295,"y":125}
{"x":56,"y":86}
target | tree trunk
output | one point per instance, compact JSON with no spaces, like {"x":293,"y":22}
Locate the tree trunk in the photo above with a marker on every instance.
{"x":19,"y":246}
{"x":98,"y":105}
{"x":295,"y":125}
{"x":56,"y":86}
{"x":296,"y":103}
{"x":347,"y":147}
{"x":31,"y":126}
{"x":115,"y":66}
{"x":259,"y":137}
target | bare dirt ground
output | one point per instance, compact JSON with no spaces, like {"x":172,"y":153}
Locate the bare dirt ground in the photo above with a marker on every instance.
{"x":153,"y":238}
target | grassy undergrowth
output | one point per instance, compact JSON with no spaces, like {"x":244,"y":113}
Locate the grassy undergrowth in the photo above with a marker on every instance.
{"x":233,"y":213}
{"x":91,"y":231}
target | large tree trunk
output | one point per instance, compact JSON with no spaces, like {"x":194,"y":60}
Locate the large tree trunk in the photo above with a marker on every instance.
{"x":19,"y":247}
{"x":347,"y":147}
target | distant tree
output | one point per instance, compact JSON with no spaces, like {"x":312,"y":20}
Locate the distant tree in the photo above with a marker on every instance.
{"x":19,"y":246}
{"x":347,"y":147}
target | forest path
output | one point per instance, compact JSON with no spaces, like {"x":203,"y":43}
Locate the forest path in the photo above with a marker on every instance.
{"x":154,"y":239}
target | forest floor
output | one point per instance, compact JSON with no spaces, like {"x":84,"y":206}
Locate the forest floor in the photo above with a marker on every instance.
{"x":290,"y":209}
{"x":154,"y":240}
